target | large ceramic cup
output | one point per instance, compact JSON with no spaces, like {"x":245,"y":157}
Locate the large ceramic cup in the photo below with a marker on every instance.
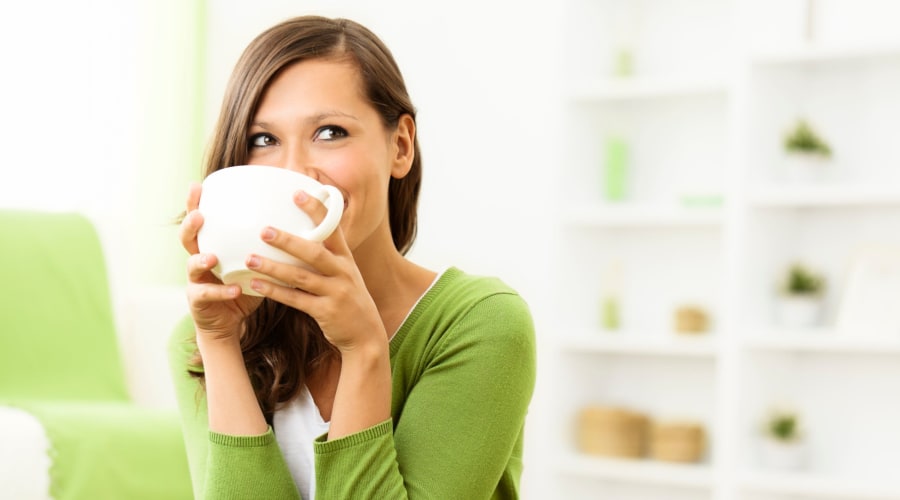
{"x":238,"y":202}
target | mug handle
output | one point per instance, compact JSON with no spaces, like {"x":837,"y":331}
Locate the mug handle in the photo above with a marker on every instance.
{"x":331,"y":197}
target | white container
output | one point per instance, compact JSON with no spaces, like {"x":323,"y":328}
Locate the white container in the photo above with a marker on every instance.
{"x":799,"y":311}
{"x":805,"y":167}
{"x":783,"y":455}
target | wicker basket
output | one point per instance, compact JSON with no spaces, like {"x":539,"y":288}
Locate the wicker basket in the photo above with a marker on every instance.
{"x":690,"y":319}
{"x":677,"y":442}
{"x":613,"y":432}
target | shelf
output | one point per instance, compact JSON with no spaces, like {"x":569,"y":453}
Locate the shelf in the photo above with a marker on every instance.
{"x":807,"y":54}
{"x":819,"y":486}
{"x":669,"y":344}
{"x":633,"y":88}
{"x":820,"y":340}
{"x":825,"y":195}
{"x":643,"y":471}
{"x":634,"y":215}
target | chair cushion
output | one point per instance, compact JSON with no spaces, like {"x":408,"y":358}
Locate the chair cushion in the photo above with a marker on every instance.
{"x":58,"y":333}
{"x":113,"y":450}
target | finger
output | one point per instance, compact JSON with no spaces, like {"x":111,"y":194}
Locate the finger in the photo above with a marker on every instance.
{"x":193,"y":198}
{"x":292,"y":297}
{"x":189,"y":229}
{"x":199,"y":268}
{"x":311,"y":205}
{"x":202,"y":293}
{"x":296,"y":277}
{"x":313,"y":253}
{"x":317,"y":212}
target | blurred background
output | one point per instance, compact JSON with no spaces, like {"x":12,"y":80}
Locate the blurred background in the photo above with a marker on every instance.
{"x":700,"y":200}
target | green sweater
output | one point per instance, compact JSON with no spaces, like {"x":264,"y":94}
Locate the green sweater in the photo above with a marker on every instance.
{"x":463,"y":370}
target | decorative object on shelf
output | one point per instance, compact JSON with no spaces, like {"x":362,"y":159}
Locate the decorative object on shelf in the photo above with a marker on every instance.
{"x":624,"y":65}
{"x":678,"y":442}
{"x":807,"y":153}
{"x":691,"y":319}
{"x":870,"y":305}
{"x":801,"y":300}
{"x":702,"y":200}
{"x":613,"y":432}
{"x":609,"y":313}
{"x":611,"y":290}
{"x":615,"y":169}
{"x":782,"y":444}
{"x":809,"y":21}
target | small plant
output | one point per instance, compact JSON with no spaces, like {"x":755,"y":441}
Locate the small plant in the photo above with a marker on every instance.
{"x":803,"y":139}
{"x":783,"y":426}
{"x":802,"y":281}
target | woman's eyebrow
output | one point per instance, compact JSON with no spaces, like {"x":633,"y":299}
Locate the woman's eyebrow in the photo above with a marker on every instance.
{"x":312,"y":119}
{"x":325,"y":115}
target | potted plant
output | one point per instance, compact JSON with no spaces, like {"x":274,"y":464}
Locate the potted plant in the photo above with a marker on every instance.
{"x":801,"y":298}
{"x":807,"y":152}
{"x":782,"y":444}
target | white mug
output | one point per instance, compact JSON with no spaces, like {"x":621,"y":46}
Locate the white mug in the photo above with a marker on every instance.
{"x":238,"y":202}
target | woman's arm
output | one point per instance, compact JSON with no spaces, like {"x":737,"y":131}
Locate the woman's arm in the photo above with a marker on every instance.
{"x":222,"y":465}
{"x":458,"y":434}
{"x":231,"y":402}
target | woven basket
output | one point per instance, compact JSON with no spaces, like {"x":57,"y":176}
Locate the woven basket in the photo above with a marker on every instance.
{"x":689,"y":319}
{"x":677,"y":442}
{"x":613,"y":432}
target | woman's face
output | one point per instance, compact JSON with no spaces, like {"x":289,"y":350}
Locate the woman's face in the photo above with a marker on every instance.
{"x":314,"y":119}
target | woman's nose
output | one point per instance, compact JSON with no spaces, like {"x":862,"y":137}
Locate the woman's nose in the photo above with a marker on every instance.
{"x":300,"y":162}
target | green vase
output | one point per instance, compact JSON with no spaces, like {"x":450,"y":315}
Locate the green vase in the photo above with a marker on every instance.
{"x":615,"y":169}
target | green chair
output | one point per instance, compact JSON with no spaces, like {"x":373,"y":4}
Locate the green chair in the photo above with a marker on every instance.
{"x":60,"y":361}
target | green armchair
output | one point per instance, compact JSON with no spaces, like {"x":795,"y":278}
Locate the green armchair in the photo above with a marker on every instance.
{"x":60,"y":362}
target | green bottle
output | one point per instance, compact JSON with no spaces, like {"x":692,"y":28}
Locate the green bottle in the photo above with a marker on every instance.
{"x":615,"y":169}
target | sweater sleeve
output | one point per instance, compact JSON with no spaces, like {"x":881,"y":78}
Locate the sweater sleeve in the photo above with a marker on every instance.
{"x":222,"y":466}
{"x":458,"y":435}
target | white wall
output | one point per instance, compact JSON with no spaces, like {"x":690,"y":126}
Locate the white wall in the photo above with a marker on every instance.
{"x":97,"y":93}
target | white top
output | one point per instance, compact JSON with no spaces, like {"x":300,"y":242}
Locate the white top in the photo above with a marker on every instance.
{"x":297,"y":424}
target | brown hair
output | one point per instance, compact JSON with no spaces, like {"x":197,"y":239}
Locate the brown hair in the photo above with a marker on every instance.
{"x":280,"y":344}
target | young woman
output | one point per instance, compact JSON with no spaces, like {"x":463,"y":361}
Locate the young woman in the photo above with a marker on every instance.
{"x":369,"y":376}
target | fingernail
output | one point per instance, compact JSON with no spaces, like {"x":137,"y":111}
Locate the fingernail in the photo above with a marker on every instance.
{"x":256,"y":285}
{"x":268,"y":234}
{"x":204,"y":260}
{"x":234,"y":291}
{"x":253,"y":262}
{"x":301,"y":196}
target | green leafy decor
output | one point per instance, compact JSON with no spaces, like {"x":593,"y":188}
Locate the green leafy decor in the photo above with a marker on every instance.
{"x":803,"y":139}
{"x":783,"y":426}
{"x":802,"y":281}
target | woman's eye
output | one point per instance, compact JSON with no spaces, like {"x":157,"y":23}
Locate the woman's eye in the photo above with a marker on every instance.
{"x":330,"y":133}
{"x":261,"y":141}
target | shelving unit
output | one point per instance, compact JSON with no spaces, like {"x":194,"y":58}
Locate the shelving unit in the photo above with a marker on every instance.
{"x":715,"y":84}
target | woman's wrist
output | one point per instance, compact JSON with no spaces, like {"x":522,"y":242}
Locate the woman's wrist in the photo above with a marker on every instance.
{"x":363,"y":397}
{"x":218,"y":339}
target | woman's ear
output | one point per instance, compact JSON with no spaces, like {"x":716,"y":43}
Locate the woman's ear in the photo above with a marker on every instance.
{"x":403,"y":141}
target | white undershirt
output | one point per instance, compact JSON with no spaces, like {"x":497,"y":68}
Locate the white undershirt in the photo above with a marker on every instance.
{"x":299,"y":423}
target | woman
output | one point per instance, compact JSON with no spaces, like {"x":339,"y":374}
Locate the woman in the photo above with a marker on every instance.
{"x":369,"y":376}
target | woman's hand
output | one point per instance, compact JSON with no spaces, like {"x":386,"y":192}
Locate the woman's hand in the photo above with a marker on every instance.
{"x":218,"y":310}
{"x":330,"y":288}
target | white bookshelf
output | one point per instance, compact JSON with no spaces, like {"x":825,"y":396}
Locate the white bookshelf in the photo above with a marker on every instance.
{"x":647,"y":471}
{"x":715,"y":84}
{"x":819,"y":486}
{"x":612,"y":89}
{"x":636,"y":215}
{"x":638,"y":344}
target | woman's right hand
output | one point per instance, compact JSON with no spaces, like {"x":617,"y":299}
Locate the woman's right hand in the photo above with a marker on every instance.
{"x":218,"y":310}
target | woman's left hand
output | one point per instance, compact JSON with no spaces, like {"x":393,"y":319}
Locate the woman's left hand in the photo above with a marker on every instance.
{"x":331,"y":289}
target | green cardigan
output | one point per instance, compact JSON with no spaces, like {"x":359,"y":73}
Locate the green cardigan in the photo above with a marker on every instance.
{"x":463,"y":369}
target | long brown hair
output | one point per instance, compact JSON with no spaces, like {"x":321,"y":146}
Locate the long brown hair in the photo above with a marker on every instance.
{"x":280,"y":344}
